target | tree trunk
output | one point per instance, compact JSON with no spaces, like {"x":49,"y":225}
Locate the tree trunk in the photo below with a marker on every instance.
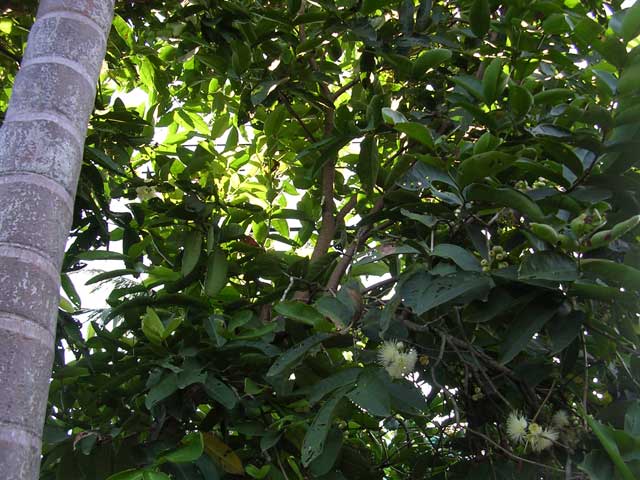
{"x":41,"y":146}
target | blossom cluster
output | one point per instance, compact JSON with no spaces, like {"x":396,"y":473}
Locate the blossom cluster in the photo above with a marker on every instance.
{"x":397,"y":360}
{"x":533,"y":435}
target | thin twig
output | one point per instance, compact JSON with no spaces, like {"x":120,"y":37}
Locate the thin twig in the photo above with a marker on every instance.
{"x":585,"y":393}
{"x":290,"y":109}
{"x":546,"y":398}
{"x":456,"y":411}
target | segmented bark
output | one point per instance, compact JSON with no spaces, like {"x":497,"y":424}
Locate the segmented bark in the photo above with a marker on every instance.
{"x":41,"y":145}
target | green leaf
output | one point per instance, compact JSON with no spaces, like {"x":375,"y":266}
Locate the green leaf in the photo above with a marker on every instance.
{"x":461,"y":257}
{"x":371,"y":393}
{"x":423,"y":292}
{"x":217,"y":267}
{"x":632,"y":419}
{"x":416,"y":131}
{"x":111,"y":274}
{"x":132,"y":474}
{"x":407,"y":398}
{"x":490,"y":81}
{"x":314,"y":440}
{"x":505,"y":197}
{"x":166,"y":387}
{"x":552,"y":96}
{"x":192,"y":249}
{"x":155,"y":476}
{"x":480,"y":17}
{"x":300,"y":312}
{"x":607,"y":440}
{"x":393,"y":117}
{"x":220,"y":392}
{"x":327,"y":459}
{"x":483,"y":165}
{"x":191,"y":450}
{"x":564,"y":330}
{"x":255,"y":472}
{"x":520,"y":101}
{"x":548,"y":266}
{"x":319,"y":390}
{"x":629,"y":80}
{"x":100,"y":255}
{"x":529,"y":322}
{"x":152,"y":326}
{"x":630,"y":28}
{"x":597,"y":464}
{"x":612,"y":272}
{"x":368,"y":163}
{"x":430,"y":59}
{"x":292,"y":357}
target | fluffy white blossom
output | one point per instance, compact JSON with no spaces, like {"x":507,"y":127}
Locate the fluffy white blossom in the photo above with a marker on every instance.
{"x":560,"y":419}
{"x":540,"y":438}
{"x":388,"y":353}
{"x":516,"y":427}
{"x":396,"y":360}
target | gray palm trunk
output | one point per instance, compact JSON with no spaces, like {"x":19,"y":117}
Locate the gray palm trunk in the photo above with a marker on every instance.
{"x":41,"y":145}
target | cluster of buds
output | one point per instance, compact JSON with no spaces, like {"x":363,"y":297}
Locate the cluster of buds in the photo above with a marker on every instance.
{"x":397,"y":361}
{"x":497,"y":259}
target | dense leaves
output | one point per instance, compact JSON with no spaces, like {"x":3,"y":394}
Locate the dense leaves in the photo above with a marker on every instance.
{"x":273,"y":189}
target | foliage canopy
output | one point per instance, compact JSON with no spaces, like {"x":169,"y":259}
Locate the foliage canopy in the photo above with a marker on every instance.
{"x":295,"y":183}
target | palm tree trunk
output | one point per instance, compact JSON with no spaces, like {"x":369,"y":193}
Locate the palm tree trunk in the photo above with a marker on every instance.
{"x":41,"y":145}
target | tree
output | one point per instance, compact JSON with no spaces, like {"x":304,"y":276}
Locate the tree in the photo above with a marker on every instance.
{"x":354,"y":239}
{"x":41,"y":144}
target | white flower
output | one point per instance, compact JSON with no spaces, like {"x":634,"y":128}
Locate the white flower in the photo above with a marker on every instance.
{"x":145,"y":193}
{"x":388,"y":353}
{"x":540,"y":438}
{"x":397,"y":362}
{"x":516,"y":427}
{"x":560,"y":419}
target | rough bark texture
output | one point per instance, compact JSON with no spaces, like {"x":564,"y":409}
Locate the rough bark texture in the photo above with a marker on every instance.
{"x":41,"y":145}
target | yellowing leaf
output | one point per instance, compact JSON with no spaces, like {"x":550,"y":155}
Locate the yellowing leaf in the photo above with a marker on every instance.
{"x":222,"y":454}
